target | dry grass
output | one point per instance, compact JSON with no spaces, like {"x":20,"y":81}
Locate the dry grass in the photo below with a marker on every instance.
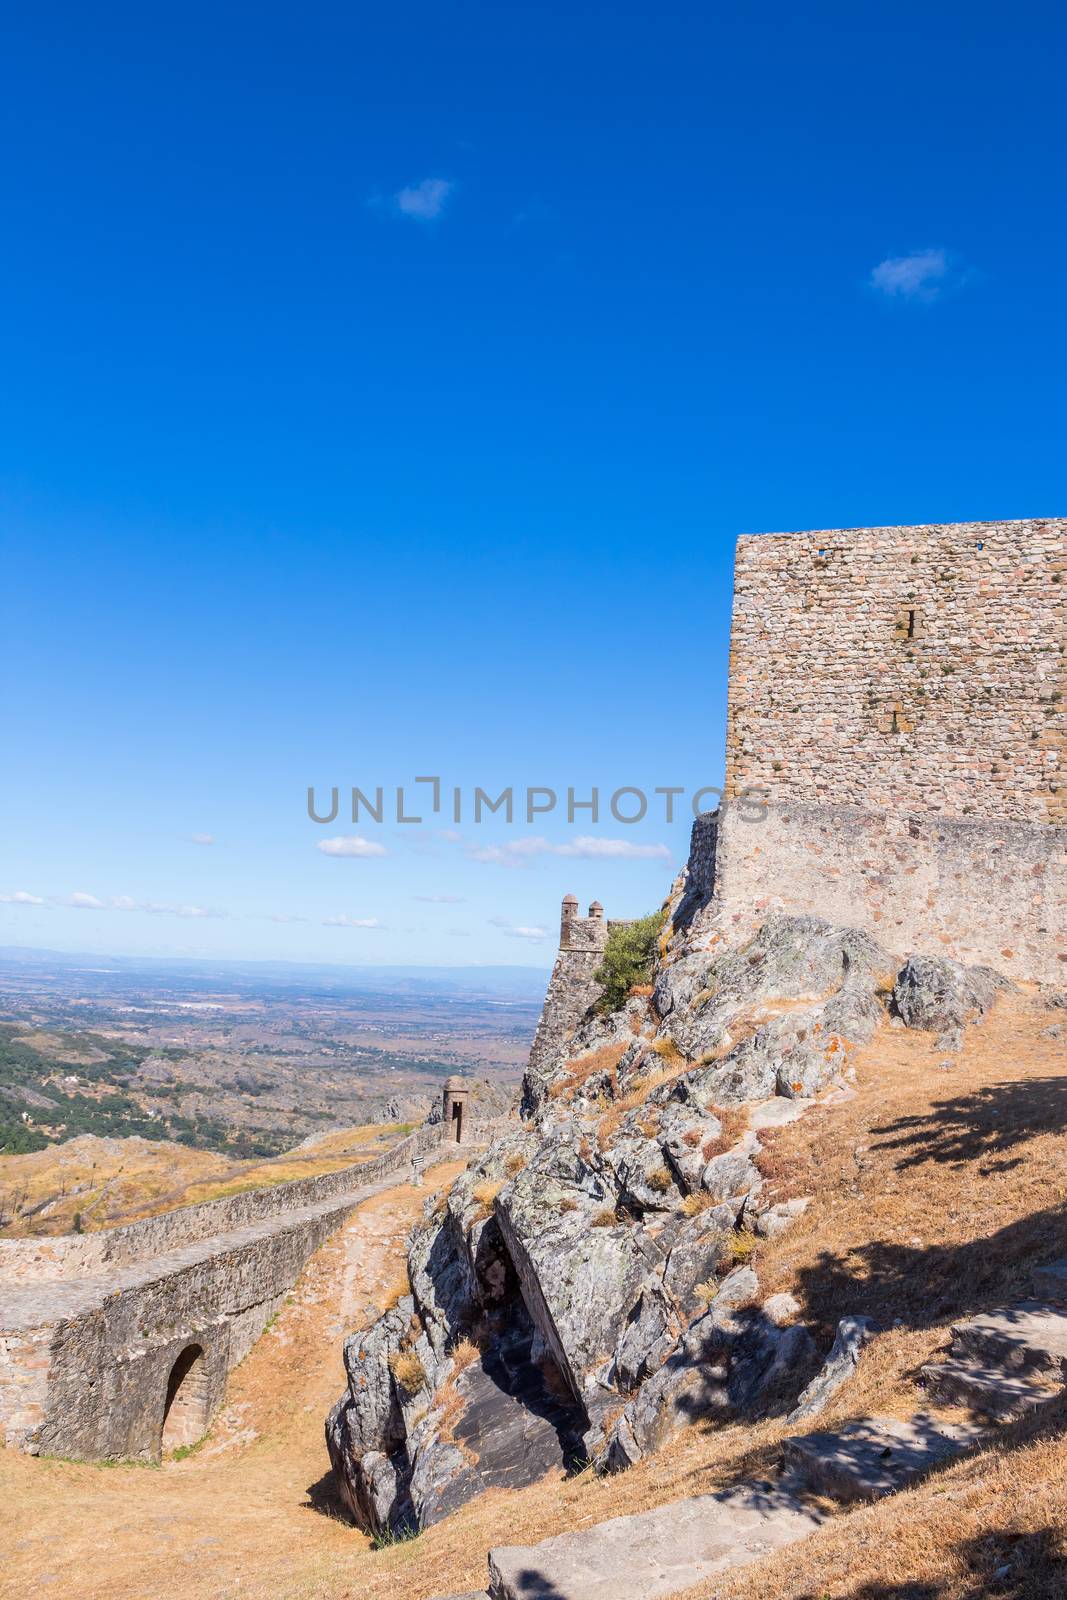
{"x":606,"y":1059}
{"x":110,"y":1182}
{"x":484,"y":1195}
{"x":668,"y":1051}
{"x":396,"y":1292}
{"x":604,"y":1219}
{"x":514,"y":1165}
{"x":695,"y":1204}
{"x":408,"y":1371}
{"x":733,"y":1121}
{"x":463,"y":1352}
{"x":660,"y":1180}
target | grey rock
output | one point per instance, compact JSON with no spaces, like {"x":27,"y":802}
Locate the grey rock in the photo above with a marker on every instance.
{"x":655,"y":1553}
{"x":773,"y":1222}
{"x":874,"y":1456}
{"x":853,"y":1334}
{"x":987,"y":1390}
{"x":942,"y":996}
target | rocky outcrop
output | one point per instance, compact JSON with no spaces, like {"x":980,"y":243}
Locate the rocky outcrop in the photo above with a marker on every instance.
{"x":583,"y":1289}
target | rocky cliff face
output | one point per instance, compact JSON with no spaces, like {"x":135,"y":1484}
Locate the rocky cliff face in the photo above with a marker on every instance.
{"x":583,"y":1288}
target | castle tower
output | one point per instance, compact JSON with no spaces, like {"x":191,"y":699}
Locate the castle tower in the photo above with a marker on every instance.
{"x":572,"y":988}
{"x":898,"y":699}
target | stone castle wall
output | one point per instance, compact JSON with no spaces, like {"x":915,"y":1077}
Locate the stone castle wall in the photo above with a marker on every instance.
{"x":91,"y":1325}
{"x":898,"y":694}
{"x":987,"y":894}
{"x":80,"y":1255}
{"x":915,"y":669}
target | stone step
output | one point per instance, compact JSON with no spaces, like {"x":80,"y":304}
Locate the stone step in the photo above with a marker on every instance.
{"x":874,"y":1456}
{"x":989,"y":1391}
{"x":1051,"y":1282}
{"x":656,"y":1552}
{"x":1028,"y":1337}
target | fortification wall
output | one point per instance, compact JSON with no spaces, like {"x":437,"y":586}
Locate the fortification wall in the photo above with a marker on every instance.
{"x":86,"y":1373}
{"x":80,"y":1255}
{"x":988,"y":894}
{"x":898,"y":694}
{"x":906,"y":670}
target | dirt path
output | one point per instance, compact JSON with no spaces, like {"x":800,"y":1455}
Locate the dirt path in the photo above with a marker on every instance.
{"x":248,"y":1514}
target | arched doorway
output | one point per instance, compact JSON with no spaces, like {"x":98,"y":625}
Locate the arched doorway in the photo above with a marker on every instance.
{"x":185,"y":1416}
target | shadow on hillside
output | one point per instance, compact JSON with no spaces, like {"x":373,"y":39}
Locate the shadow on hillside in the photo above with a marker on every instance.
{"x":1025,"y":1566}
{"x":988,"y":1125}
{"x":922,"y":1286}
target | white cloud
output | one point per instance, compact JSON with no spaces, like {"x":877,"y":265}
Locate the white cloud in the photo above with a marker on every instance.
{"x":424,"y":201}
{"x":284,"y":916}
{"x":441,"y":899}
{"x":923,"y":275}
{"x":85,"y":902}
{"x":590,"y":849}
{"x":352,"y":846}
{"x":123,"y":902}
{"x":21,"y":898}
{"x":201,"y":838}
{"x":345,"y":921}
{"x":157,"y":909}
{"x":513,"y":930}
{"x":517,"y":852}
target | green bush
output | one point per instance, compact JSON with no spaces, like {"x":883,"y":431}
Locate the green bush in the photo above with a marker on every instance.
{"x":627,"y":959}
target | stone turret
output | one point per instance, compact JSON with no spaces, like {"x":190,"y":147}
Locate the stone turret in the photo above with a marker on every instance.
{"x":457,"y":1093}
{"x":572,"y":989}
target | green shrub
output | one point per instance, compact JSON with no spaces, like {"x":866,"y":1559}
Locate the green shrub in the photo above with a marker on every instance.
{"x":627,"y":961}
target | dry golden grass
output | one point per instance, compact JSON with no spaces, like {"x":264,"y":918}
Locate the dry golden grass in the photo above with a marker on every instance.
{"x":408,"y":1370}
{"x":603,"y":1219}
{"x":694,"y":1204}
{"x":484,"y":1195}
{"x":733,"y":1121}
{"x":668,"y":1051}
{"x":606,"y":1059}
{"x":109,"y":1182}
{"x":514,"y":1165}
{"x":396,"y":1292}
{"x":660,"y":1180}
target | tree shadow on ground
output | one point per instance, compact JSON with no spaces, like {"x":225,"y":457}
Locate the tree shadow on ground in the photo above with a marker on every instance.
{"x":1023,"y":1566}
{"x":988,"y":1125}
{"x":923,"y":1286}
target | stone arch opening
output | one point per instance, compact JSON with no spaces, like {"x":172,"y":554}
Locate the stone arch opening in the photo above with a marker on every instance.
{"x":185,"y":1409}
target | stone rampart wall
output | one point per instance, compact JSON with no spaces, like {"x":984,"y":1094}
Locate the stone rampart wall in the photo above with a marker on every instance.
{"x":989,"y":894}
{"x":907,"y":670}
{"x":79,"y":1255}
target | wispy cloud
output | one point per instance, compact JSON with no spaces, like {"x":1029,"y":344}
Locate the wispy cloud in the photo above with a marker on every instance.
{"x":923,"y":275}
{"x":80,"y":901}
{"x":344,"y":921}
{"x":351,"y":846}
{"x":514,"y":930}
{"x":441,"y":899}
{"x":424,"y":201}
{"x":519,"y":852}
{"x":284,"y":916}
{"x":201,"y":838}
{"x":20,"y":897}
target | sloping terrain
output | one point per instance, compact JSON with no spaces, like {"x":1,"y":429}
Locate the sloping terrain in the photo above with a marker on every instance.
{"x":936,"y":1189}
{"x":90,"y":1183}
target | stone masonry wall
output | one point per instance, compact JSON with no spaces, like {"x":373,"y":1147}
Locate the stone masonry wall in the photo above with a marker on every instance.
{"x":990,"y":894}
{"x":75,"y":1255}
{"x":911,"y":670}
{"x":91,"y":1326}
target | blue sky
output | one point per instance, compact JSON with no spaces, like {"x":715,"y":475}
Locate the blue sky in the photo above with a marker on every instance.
{"x":381,"y":394}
